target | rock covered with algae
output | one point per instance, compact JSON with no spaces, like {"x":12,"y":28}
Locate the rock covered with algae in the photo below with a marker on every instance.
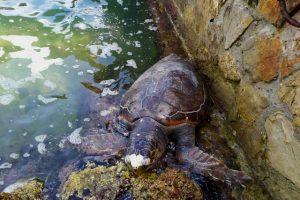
{"x":171,"y":184}
{"x":28,"y":190}
{"x":99,"y":182}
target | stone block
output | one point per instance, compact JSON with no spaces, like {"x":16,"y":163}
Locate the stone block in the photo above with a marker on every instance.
{"x":283,"y":149}
{"x":250,"y":102}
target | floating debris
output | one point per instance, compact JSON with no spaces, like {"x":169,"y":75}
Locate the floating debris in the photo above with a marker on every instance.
{"x":6,"y":99}
{"x":46,"y":100}
{"x":40,"y":138}
{"x":91,"y":87}
{"x":41,"y":148}
{"x":14,"y":155}
{"x":131,"y":63}
{"x":5,"y":165}
{"x":75,"y":137}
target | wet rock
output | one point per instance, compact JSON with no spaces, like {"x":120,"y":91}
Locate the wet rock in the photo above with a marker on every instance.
{"x":218,"y":138}
{"x":263,"y":58}
{"x":283,"y":147}
{"x":236,"y":21}
{"x":270,"y":10}
{"x":99,"y":182}
{"x":229,"y":68}
{"x":171,"y":184}
{"x":287,"y":66}
{"x":25,"y":190}
{"x":264,"y":52}
{"x":224,"y":93}
{"x":250,"y":102}
{"x":290,"y":37}
{"x":289,"y":93}
{"x":8,"y":196}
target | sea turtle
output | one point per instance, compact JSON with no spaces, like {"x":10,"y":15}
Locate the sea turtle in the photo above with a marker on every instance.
{"x":164,"y":104}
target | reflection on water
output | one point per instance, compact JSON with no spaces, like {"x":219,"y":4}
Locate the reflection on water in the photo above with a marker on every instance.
{"x":51,"y":54}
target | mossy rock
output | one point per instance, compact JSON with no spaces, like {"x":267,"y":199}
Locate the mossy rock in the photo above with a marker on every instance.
{"x":111,"y":182}
{"x":94,"y":182}
{"x":31,"y":190}
{"x":8,"y":196}
{"x":171,"y":184}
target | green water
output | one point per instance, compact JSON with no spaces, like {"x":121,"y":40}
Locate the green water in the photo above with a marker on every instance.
{"x":47,"y":49}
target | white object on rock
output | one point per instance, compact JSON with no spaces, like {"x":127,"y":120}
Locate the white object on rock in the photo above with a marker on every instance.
{"x":137,"y":161}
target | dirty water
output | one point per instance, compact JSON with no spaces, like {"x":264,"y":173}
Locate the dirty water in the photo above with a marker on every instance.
{"x":53,"y":56}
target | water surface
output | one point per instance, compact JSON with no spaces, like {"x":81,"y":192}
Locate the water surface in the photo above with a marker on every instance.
{"x":50,"y":52}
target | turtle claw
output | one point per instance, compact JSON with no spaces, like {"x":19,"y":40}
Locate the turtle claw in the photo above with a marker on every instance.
{"x":211,"y":167}
{"x":235,"y":177}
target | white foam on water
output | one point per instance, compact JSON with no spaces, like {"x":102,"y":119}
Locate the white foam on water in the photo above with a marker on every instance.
{"x":46,"y":100}
{"x":120,"y":2}
{"x":69,"y":124}
{"x":75,"y":137}
{"x":148,"y":20}
{"x":2,"y":52}
{"x":137,"y":44}
{"x":14,"y":155}
{"x":8,"y":83}
{"x":152,"y":28}
{"x":26,"y":155}
{"x":6,"y":99}
{"x":5,"y":165}
{"x":41,"y":148}
{"x":90,"y":71}
{"x":76,"y":66}
{"x":50,"y":84}
{"x":40,"y":138}
{"x":131,"y":63}
{"x":62,"y":143}
{"x":22,"y":106}
{"x":86,"y":119}
{"x":106,"y":49}
{"x":37,"y":55}
{"x":81,"y":26}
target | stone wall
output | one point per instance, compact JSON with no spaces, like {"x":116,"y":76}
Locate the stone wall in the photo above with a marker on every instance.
{"x":252,"y":59}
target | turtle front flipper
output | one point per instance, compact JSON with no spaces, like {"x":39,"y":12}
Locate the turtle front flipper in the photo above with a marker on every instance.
{"x":107,"y":144}
{"x":201,"y":162}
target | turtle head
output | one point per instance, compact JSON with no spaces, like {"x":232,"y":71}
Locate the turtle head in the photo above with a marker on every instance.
{"x":148,"y":142}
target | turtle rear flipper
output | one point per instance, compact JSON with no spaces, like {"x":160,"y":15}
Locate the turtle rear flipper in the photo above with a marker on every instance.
{"x":209,"y":166}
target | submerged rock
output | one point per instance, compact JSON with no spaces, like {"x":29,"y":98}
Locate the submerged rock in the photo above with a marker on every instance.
{"x":99,"y":182}
{"x":26,"y":190}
